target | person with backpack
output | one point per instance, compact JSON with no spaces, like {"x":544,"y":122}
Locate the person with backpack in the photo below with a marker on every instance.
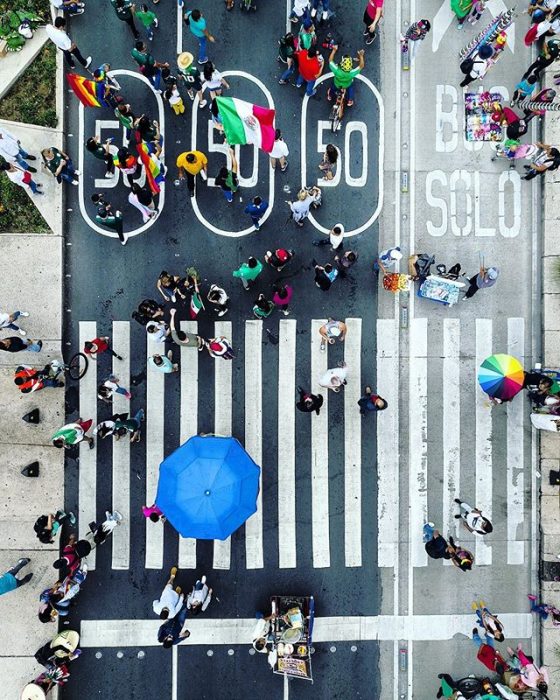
{"x":72,"y":555}
{"x":21,"y":177}
{"x":287,"y":48}
{"x":149,"y":67}
{"x":278,"y":258}
{"x":309,"y":402}
{"x":27,"y":379}
{"x":197,"y":24}
{"x":227,"y":179}
{"x":547,"y":160}
{"x":47,"y":526}
{"x":125,"y":11}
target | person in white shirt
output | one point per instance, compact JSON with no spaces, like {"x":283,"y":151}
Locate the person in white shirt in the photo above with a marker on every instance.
{"x":20,"y":177}
{"x":159,"y":330}
{"x":546,"y":421}
{"x":473,"y":518}
{"x":336,"y":236}
{"x":279,"y":151}
{"x":334,"y":379}
{"x":57,"y":34}
{"x":170,"y":601}
{"x":11,"y":150}
{"x":261,"y":633}
{"x":7,"y":321}
{"x":200,"y":596}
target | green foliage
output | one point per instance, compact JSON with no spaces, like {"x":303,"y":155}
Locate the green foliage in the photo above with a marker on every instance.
{"x":20,"y":215}
{"x":33,"y":98}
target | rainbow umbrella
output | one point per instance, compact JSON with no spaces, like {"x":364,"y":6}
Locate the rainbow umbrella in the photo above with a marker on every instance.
{"x":501,"y":376}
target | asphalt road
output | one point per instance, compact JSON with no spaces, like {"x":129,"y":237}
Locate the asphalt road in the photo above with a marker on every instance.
{"x":106,"y":283}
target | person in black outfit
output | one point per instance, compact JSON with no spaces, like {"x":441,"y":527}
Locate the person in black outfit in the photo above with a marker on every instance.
{"x":309,"y":402}
{"x":437,"y":547}
{"x":124,"y":10}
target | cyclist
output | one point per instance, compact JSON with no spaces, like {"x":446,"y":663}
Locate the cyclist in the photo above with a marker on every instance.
{"x":344,"y":74}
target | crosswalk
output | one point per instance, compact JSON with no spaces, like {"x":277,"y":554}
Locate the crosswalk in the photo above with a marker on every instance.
{"x":455,"y":453}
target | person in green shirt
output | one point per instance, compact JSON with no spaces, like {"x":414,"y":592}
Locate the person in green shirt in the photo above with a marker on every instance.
{"x":72,"y":434}
{"x":125,"y":10}
{"x":102,"y":152}
{"x":148,"y":20}
{"x":344,"y":74}
{"x":249,"y":271}
{"x":60,"y":164}
{"x":149,"y":67}
{"x":112,"y":220}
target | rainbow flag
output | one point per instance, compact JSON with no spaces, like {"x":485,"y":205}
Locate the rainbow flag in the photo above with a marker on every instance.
{"x":87,"y":91}
{"x":154,"y":171}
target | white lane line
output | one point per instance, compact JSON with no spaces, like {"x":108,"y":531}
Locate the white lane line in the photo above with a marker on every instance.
{"x":451,"y":392}
{"x":254,"y":552}
{"x":194,"y":135}
{"x":320,"y":522}
{"x":418,"y":445}
{"x":483,"y":438}
{"x":286,"y":687}
{"x":179,"y":28}
{"x":211,"y":631}
{"x":381,"y":146}
{"x":87,"y":471}
{"x":387,"y":443}
{"x":188,"y":423}
{"x":174,"y":667}
{"x":288,"y":13}
{"x":353,"y":445}
{"x":286,"y":445}
{"x":83,"y":138}
{"x":515,"y":452}
{"x":155,"y":427}
{"x":120,"y":540}
{"x":223,"y":401}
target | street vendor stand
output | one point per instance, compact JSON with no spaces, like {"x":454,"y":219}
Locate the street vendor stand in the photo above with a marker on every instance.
{"x":441,"y":289}
{"x":292,"y":630}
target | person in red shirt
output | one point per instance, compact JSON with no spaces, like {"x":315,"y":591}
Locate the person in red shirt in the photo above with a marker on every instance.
{"x":310,"y":64}
{"x":372,"y":15}
{"x":93,"y":348}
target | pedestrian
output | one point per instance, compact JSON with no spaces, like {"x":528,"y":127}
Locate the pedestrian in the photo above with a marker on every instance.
{"x":191,"y":75}
{"x":461,"y":557}
{"x":213,"y":80}
{"x":190,"y":164}
{"x":15,"y":344}
{"x":306,"y":37}
{"x":7,"y":321}
{"x":148,"y":310}
{"x":325,"y":276}
{"x":153,"y":513}
{"x":309,"y":402}
{"x":220,"y":347}
{"x":102,"y":152}
{"x":110,"y":87}
{"x":279,"y":152}
{"x":473,"y":519}
{"x":172,"y":631}
{"x":28,"y":380}
{"x":60,"y":165}
{"x":112,"y":221}
{"x":158,"y":330}
{"x":435,"y":545}
{"x":55,"y":653}
{"x":21,"y":177}
{"x":547,"y":160}
{"x":71,"y":558}
{"x":148,"y":20}
{"x":55,"y":601}
{"x":12,"y":151}
{"x":371,"y":402}
{"x":300,"y":11}
{"x":149,"y":67}
{"x":306,"y":198}
{"x":310,"y":66}
{"x":248,"y":272}
{"x":111,"y":386}
{"x":492,"y":625}
{"x":478,"y":640}
{"x":263,"y":634}
{"x":336,"y":237}
{"x":415,"y":33}
{"x":486,"y":277}
{"x":173,"y":96}
{"x":331,"y":330}
{"x":372,"y":17}
{"x":57,"y":34}
{"x":191,"y":340}
{"x":171,"y":599}
{"x":278,"y":258}
{"x":197,"y":24}
{"x":523,"y":89}
{"x":106,"y":427}
{"x":164,"y":363}
{"x":335,"y":378}
{"x":345,"y":261}
{"x":129,"y":425}
{"x":540,"y":421}
{"x":72,"y":434}
{"x":282,"y":296}
{"x":200,"y":596}
{"x":462,"y":9}
{"x":227,"y":179}
{"x":142,"y":199}
{"x":126,"y":118}
{"x":125,"y":10}
{"x":543,"y":610}
{"x":68,"y":6}
{"x":97,"y":346}
{"x":256,"y":210}
{"x":169,"y":286}
{"x":286,"y":54}
{"x":315,"y":7}
{"x":101,"y":531}
{"x":47,"y":526}
{"x":9,"y":582}
{"x":263,"y":307}
{"x":217,"y":297}
{"x":549,"y":53}
{"x":388,"y":260}
{"x":328,"y":164}
{"x":447,"y":687}
{"x":532,"y":675}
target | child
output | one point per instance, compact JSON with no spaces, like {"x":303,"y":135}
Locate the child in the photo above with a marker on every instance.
{"x":477,"y":9}
{"x":148,"y":20}
{"x":174,"y":98}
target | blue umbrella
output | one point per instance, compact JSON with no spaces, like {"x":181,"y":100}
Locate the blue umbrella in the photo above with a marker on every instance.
{"x":208,"y":487}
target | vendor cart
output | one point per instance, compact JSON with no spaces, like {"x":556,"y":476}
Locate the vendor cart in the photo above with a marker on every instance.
{"x":292,"y":631}
{"x":441,"y":289}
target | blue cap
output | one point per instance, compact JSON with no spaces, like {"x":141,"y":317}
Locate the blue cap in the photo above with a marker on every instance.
{"x":307,"y":24}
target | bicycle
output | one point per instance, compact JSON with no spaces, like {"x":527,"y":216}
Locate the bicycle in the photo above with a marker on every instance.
{"x":76,"y":367}
{"x":337,"y":110}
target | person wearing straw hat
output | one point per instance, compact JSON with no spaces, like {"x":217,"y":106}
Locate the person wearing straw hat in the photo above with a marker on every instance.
{"x":191,"y":75}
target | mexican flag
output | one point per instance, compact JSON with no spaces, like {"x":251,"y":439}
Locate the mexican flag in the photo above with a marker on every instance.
{"x":196,"y":304}
{"x":247,"y":123}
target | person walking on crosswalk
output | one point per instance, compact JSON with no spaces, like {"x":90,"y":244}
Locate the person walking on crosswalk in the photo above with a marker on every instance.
{"x":171,"y":599}
{"x":331,"y":330}
{"x":335,"y":378}
{"x":97,"y":346}
{"x":309,"y":402}
{"x":159,"y":330}
{"x":199,"y":598}
{"x":72,"y":434}
{"x":218,"y":297}
{"x":109,"y":387}
{"x":220,"y":347}
{"x":191,"y":340}
{"x":129,"y":425}
{"x":164,"y":363}
{"x":370,"y":402}
{"x":473,"y":519}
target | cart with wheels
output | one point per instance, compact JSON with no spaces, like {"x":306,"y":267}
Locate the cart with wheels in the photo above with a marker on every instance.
{"x":292,"y":632}
{"x":444,"y":290}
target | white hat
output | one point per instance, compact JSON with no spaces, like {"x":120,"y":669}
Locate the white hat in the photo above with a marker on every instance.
{"x":395,"y":254}
{"x":492,"y":273}
{"x":33,"y":692}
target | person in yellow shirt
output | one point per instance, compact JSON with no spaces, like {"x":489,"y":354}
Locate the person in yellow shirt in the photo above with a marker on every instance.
{"x":190,"y":164}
